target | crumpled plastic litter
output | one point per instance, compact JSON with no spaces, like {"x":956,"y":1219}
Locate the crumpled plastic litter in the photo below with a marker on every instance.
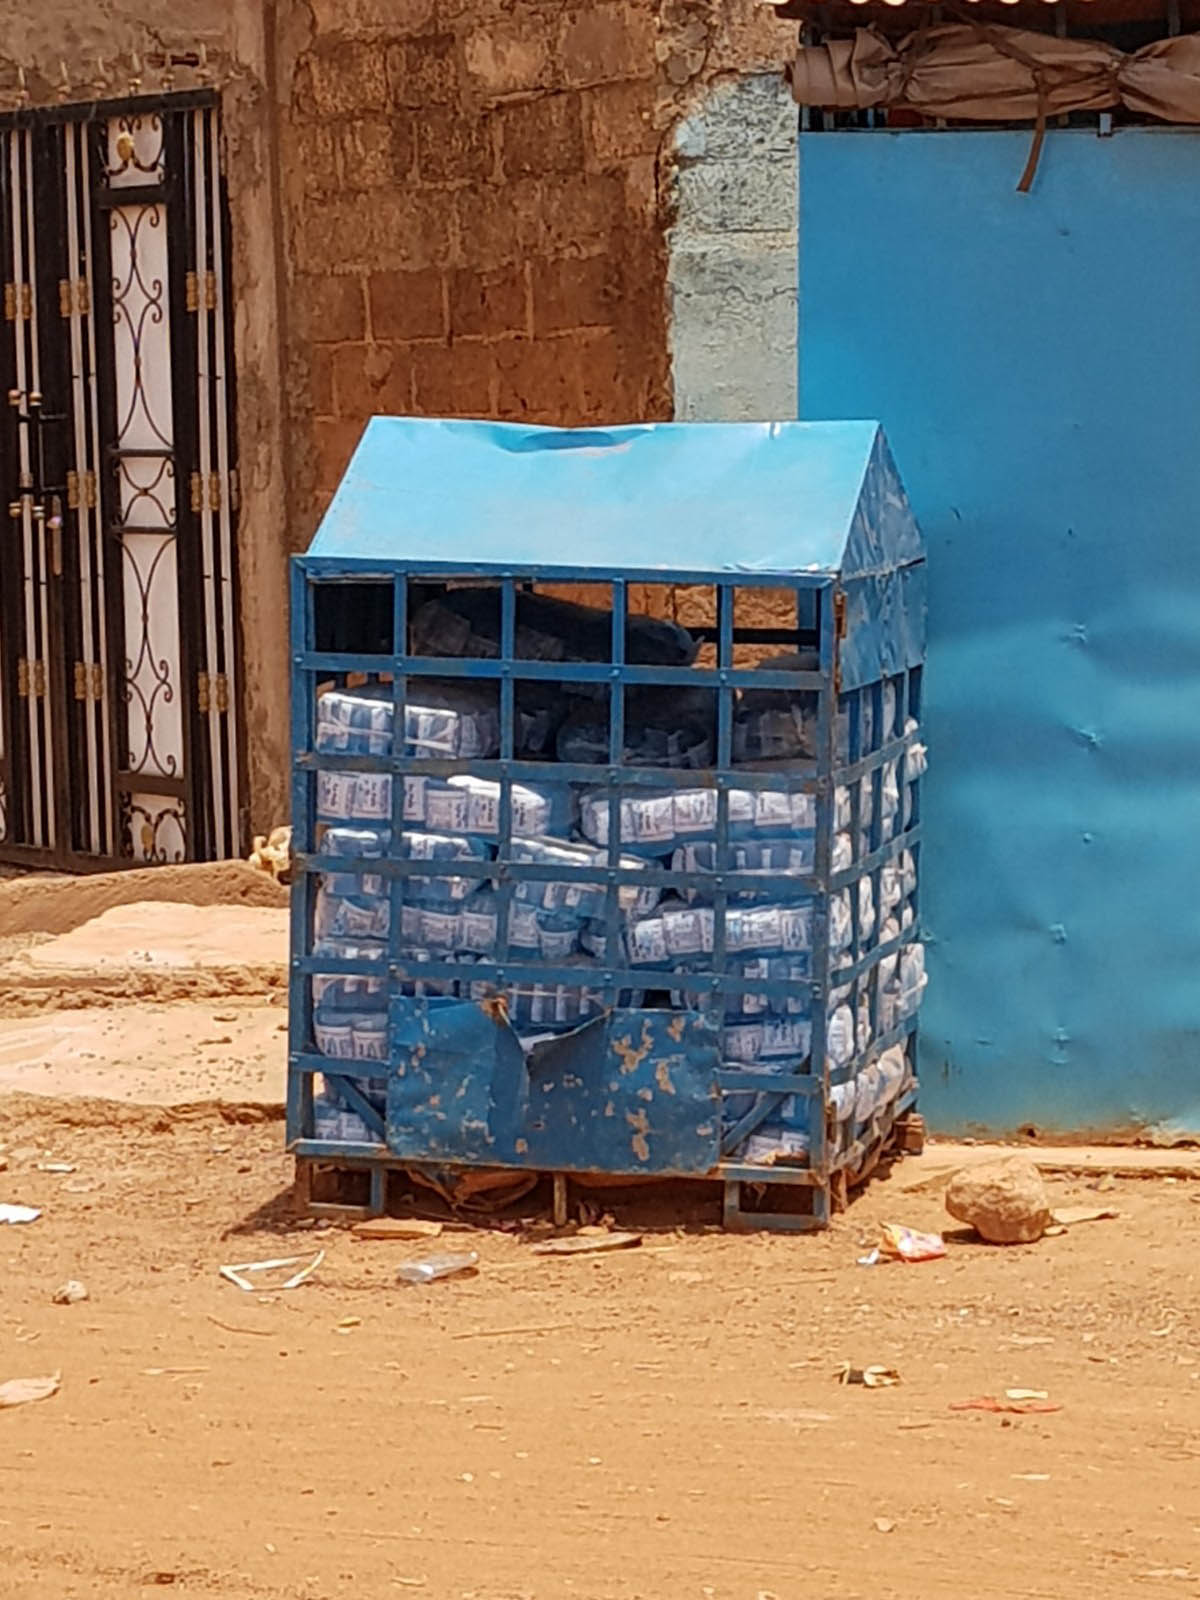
{"x":906,"y":1244}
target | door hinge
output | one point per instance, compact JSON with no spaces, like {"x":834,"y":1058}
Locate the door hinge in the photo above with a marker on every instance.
{"x":81,"y":489}
{"x":18,"y":302}
{"x":197,"y":484}
{"x":192,"y":291}
{"x":31,"y":679}
{"x":27,"y":302}
{"x":221,"y":690}
{"x":89,"y":680}
{"x":214,"y":491}
{"x":202,"y":693}
{"x":73,"y":297}
{"x":235,"y":490}
{"x":10,"y":302}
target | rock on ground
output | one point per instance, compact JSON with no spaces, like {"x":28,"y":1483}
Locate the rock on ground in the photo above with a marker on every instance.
{"x":1004,"y":1201}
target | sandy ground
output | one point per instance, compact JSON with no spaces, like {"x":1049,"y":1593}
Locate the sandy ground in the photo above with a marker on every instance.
{"x":658,"y":1424}
{"x":661,"y":1423}
{"x":185,"y":1053}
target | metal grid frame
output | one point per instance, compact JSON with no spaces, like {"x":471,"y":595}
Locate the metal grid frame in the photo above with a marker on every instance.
{"x":819,"y":611}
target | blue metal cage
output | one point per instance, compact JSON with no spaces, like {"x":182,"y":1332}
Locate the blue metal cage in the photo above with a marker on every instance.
{"x":745,"y":1009}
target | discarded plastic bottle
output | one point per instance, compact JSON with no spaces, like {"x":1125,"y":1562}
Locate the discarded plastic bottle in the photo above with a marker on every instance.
{"x":449,"y":1264}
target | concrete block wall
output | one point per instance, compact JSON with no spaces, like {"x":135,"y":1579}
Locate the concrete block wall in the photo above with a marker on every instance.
{"x":471,"y":220}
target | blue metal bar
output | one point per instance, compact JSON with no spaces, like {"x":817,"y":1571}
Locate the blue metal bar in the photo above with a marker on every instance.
{"x":338,"y":1150}
{"x":847,"y":974}
{"x":396,"y":886}
{"x":303,"y":713}
{"x":613,"y":929}
{"x":777,"y":990}
{"x":787,"y":1172}
{"x":351,"y":1096}
{"x":330,"y":569}
{"x":508,"y":655}
{"x":725,"y":613}
{"x":889,"y":851}
{"x":738,"y":882}
{"x":592,"y":672}
{"x":760,"y":1081}
{"x":826,"y":743}
{"x":801,"y":779}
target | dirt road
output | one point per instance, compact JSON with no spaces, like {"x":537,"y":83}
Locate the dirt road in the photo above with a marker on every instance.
{"x":659,"y":1424}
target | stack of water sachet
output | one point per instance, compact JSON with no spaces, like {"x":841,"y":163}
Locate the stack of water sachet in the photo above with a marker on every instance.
{"x":446,"y":907}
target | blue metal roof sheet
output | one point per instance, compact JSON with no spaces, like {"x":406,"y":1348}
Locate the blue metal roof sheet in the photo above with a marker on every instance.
{"x":702,"y":497}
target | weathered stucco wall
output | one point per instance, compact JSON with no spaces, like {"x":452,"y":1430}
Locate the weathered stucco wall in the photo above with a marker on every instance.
{"x":732,"y":272}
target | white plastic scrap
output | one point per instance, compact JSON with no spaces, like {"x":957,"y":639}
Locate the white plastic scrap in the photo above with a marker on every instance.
{"x":235,"y":1273}
{"x":14,"y":1213}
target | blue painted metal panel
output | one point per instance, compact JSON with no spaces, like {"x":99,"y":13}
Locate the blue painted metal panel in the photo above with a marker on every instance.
{"x":457,"y":1085}
{"x":1035,"y":361}
{"x":635,"y":1091}
{"x":656,"y":498}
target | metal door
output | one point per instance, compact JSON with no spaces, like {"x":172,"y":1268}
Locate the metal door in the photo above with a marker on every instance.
{"x":119,"y":732}
{"x":1036,"y":362}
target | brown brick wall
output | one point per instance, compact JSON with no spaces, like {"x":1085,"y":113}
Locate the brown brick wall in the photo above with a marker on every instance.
{"x":439,"y":206}
{"x":472,"y":222}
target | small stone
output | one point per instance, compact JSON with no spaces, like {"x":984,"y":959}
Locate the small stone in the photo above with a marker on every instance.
{"x":70,"y":1293}
{"x":1004,"y":1201}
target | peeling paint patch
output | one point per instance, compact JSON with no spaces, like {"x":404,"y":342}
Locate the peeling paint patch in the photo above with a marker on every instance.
{"x":631,"y":1056}
{"x":641,"y":1145}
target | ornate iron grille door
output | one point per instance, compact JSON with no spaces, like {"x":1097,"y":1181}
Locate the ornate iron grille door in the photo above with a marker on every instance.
{"x":119,"y":690}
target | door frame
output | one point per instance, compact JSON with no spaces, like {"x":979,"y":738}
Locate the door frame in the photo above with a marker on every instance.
{"x":208,"y":784}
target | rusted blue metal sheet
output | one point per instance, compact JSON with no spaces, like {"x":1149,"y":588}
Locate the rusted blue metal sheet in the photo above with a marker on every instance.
{"x":458,"y":1089}
{"x":633,"y":1092}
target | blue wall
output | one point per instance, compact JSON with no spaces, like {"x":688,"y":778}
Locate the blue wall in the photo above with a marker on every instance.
{"x":1035,"y":361}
